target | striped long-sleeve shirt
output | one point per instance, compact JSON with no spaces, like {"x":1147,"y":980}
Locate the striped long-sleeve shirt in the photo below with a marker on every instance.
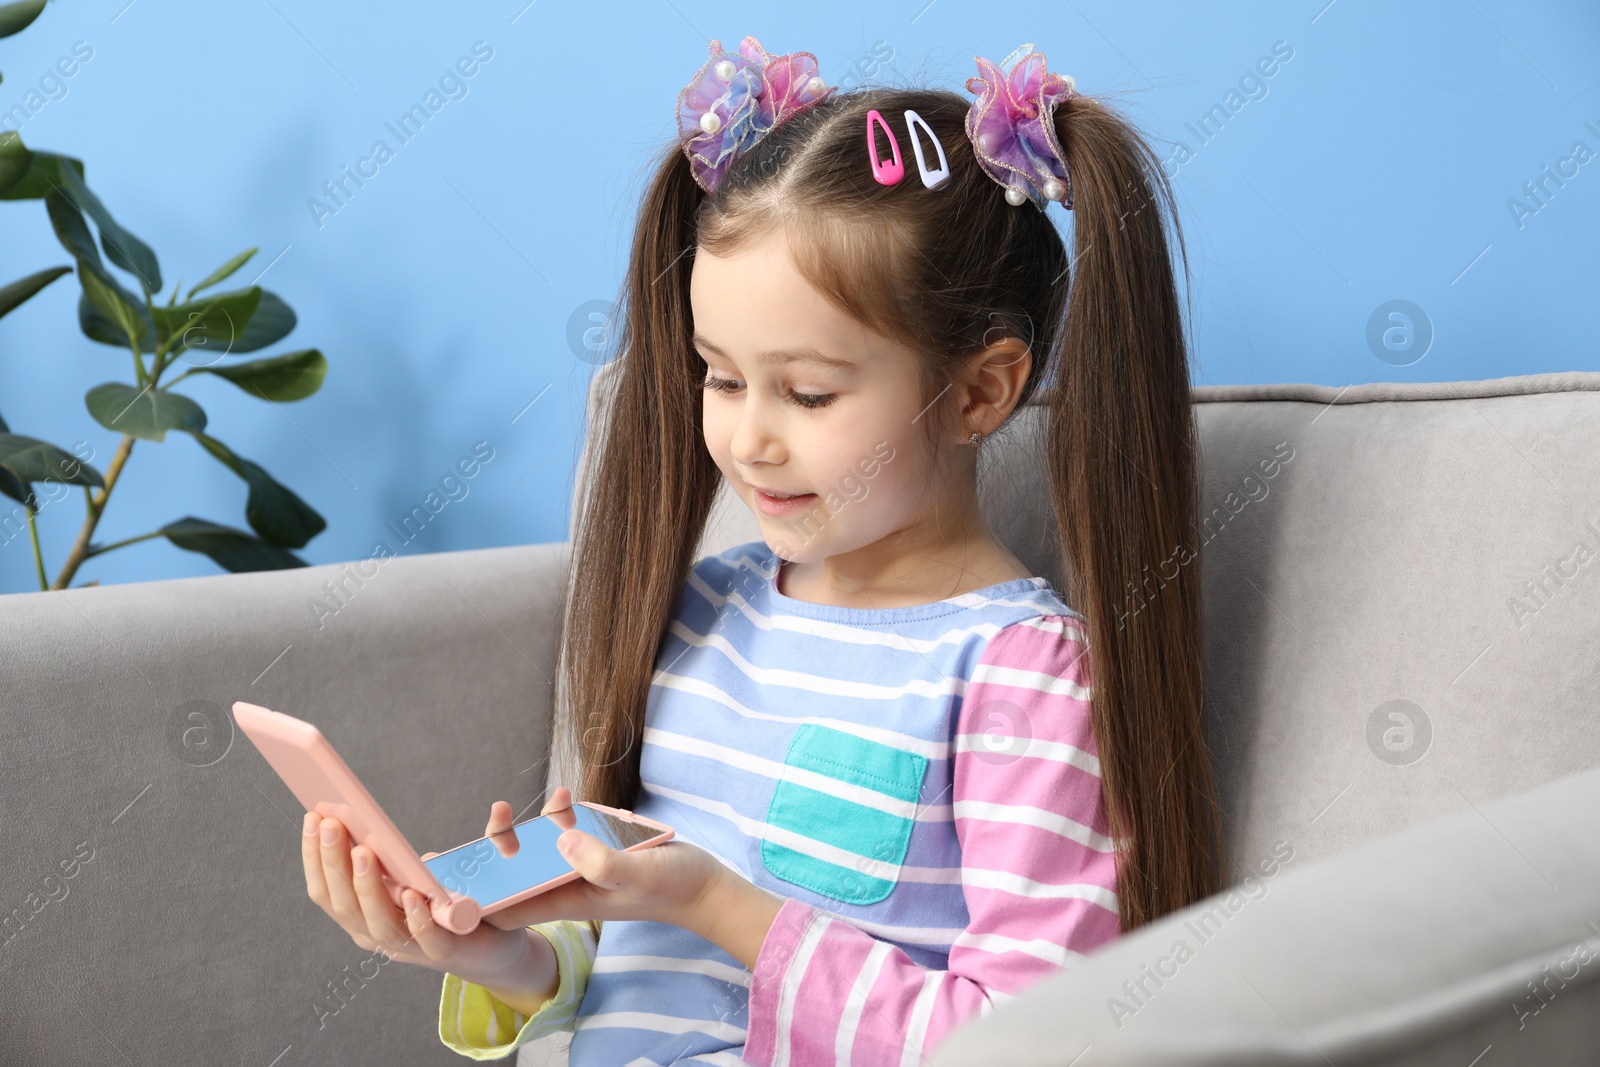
{"x":920,"y":783}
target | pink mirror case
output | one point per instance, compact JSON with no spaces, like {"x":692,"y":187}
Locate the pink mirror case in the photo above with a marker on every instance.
{"x":324,"y":783}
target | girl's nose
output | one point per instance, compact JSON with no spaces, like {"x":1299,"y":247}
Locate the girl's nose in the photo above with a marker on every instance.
{"x":754,"y":439}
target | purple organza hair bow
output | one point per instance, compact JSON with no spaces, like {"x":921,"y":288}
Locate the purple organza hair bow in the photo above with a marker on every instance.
{"x":1012,"y":127}
{"x":736,"y":97}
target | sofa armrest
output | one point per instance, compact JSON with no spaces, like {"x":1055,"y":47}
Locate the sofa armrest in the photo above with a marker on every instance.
{"x":152,"y":855}
{"x":1423,"y":947}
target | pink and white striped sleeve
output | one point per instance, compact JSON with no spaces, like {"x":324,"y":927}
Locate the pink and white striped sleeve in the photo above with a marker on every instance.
{"x":1037,"y":869}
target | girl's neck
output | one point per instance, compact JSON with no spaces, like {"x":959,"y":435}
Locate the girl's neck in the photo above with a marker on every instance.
{"x":903,"y":570}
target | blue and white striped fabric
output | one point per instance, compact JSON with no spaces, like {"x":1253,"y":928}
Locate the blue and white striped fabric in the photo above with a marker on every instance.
{"x":809,"y":746}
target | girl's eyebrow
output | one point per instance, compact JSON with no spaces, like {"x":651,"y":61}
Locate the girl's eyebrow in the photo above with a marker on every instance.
{"x":782,"y":355}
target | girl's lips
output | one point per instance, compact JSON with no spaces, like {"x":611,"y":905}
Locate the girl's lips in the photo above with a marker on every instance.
{"x":771,"y":505}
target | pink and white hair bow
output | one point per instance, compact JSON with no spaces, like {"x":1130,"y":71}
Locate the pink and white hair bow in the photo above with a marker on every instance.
{"x":1012,"y":127}
{"x":736,"y":97}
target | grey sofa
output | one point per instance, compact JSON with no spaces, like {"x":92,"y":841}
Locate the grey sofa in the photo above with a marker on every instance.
{"x":1403,"y":645}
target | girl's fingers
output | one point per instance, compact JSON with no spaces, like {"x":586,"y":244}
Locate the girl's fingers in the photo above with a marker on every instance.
{"x":599,"y":865}
{"x":359,"y":902}
{"x":311,"y":859}
{"x":500,"y":815}
{"x":336,"y":870}
{"x":559,"y":808}
{"x":424,"y":932}
{"x":384,"y":923}
{"x":499,"y":829}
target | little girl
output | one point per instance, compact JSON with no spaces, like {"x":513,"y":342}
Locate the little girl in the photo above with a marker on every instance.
{"x":900,"y":795}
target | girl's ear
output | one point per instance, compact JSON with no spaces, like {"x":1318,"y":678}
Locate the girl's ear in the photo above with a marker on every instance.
{"x":992,"y":384}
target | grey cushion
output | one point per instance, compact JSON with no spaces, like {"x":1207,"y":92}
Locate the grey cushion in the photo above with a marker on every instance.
{"x":1416,"y":949}
{"x":187,"y":937}
{"x":1377,"y":568}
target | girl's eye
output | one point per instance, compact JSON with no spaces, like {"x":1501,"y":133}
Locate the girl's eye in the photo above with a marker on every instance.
{"x":810,"y":401}
{"x":813,"y":400}
{"x":722,"y":385}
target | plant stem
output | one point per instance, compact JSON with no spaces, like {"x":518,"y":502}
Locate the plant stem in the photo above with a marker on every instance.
{"x":96,"y":508}
{"x":119,"y":544}
{"x":163,"y":349}
{"x":138,"y":365}
{"x":155,"y":360}
{"x":38,"y":556}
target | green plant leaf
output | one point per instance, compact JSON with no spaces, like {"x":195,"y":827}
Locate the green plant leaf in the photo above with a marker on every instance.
{"x":145,"y":413}
{"x":32,"y":460}
{"x":273,"y":510}
{"x":14,"y":159}
{"x":293,"y":376}
{"x":272,"y":322}
{"x":18,"y":490}
{"x":121,"y":315}
{"x":15,"y":487}
{"x":122,"y":247}
{"x":233,"y":550}
{"x":212,"y":323}
{"x":112,"y":301}
{"x":43,"y":172}
{"x":122,"y":312}
{"x":23,"y":289}
{"x":97,"y":327}
{"x":224,"y":271}
{"x":14,"y":18}
{"x":71,"y":229}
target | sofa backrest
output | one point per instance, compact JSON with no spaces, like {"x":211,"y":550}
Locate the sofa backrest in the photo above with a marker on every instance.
{"x":151,"y":855}
{"x":1401,"y":589}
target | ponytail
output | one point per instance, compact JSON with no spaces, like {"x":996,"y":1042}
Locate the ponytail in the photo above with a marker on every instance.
{"x":643,"y":510}
{"x":1122,"y":464}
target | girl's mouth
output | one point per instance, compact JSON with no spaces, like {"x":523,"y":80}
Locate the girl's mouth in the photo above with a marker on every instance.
{"x":773,"y":505}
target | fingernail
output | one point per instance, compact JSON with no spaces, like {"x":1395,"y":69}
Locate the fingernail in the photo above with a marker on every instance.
{"x":328,"y":833}
{"x":308,"y":825}
{"x":359,"y":861}
{"x":565,"y":843}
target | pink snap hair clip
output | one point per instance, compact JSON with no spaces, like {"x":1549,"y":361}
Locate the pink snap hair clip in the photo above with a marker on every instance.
{"x":885,"y":171}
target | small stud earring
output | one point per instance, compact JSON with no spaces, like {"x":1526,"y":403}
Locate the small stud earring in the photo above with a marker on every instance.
{"x":976,"y":436}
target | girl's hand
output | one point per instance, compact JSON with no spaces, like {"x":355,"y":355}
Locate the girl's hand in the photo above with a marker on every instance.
{"x":672,"y":882}
{"x":347,"y":883}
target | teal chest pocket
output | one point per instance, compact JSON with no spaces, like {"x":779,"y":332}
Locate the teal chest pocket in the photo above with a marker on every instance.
{"x":841,"y":816}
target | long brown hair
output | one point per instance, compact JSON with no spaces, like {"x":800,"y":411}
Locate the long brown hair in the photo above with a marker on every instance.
{"x":939,"y":271}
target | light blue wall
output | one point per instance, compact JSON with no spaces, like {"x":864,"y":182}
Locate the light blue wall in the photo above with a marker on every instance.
{"x":1377,"y":164}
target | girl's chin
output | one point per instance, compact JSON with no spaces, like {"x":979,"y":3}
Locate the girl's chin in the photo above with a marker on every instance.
{"x":784,"y":549}
{"x":787,"y":548}
{"x":796,"y":544}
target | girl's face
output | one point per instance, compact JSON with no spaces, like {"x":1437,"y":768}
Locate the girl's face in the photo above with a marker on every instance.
{"x":802,"y":399}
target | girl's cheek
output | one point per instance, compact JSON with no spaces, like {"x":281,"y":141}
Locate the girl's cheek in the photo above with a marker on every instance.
{"x":887,"y":495}
{"x":715,"y":435}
